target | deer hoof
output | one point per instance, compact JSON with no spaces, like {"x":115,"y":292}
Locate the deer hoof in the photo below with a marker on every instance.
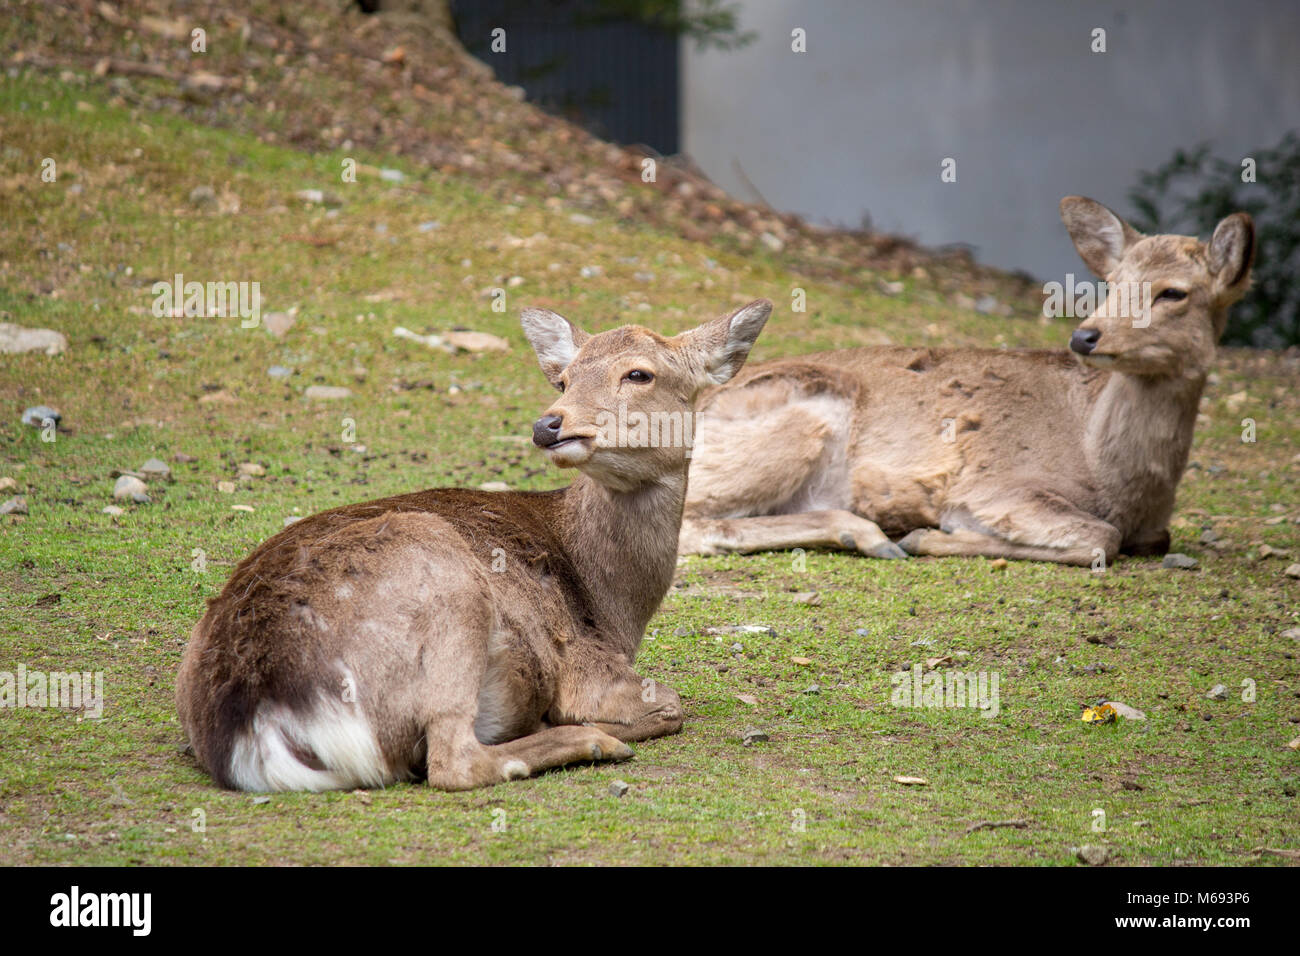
{"x":912,"y":542}
{"x":887,"y":549}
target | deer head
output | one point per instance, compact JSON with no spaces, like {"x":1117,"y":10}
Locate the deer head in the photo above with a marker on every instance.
{"x":625,"y":417}
{"x":1167,"y":296}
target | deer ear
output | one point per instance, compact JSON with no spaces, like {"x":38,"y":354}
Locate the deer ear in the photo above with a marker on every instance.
{"x":1100,"y":236}
{"x":1232,"y":251}
{"x":554,"y":338}
{"x":723,"y":344}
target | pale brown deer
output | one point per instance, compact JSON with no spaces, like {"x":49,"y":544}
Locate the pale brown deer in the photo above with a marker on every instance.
{"x":1039,"y":455}
{"x":467,"y":636}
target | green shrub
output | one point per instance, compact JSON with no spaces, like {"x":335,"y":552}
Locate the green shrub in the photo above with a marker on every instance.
{"x":1194,"y":190}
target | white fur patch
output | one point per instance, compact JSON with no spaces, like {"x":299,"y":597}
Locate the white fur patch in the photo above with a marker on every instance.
{"x":336,"y":732}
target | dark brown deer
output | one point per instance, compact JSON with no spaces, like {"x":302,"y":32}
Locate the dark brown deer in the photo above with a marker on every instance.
{"x":469,"y":636}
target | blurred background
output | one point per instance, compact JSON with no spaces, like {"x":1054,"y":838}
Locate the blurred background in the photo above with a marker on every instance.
{"x":1154,"y":116}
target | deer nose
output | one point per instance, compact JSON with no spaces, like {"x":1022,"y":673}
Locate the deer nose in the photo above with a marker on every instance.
{"x":546,"y":430}
{"x":1084,"y":341}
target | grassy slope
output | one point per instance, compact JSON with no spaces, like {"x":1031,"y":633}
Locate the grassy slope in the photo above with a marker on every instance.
{"x":1215,"y":778}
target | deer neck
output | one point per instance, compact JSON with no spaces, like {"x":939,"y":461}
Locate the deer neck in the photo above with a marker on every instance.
{"x":624,"y":547}
{"x":1137,"y":435}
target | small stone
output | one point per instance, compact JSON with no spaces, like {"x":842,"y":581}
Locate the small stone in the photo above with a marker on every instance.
{"x":327,"y":392}
{"x":14,"y":506}
{"x":1209,"y":536}
{"x":392,"y":175}
{"x":772,"y":242}
{"x":1293,"y":633}
{"x":1292,"y":571}
{"x":429,"y":226}
{"x":257,"y":801}
{"x":1218,"y":692}
{"x":581,"y":219}
{"x":986,"y":304}
{"x":291,"y":519}
{"x":226,"y":487}
{"x":279,"y":371}
{"x":998,"y":564}
{"x":1093,"y":855}
{"x":812,"y":689}
{"x":140,"y":498}
{"x":892,"y":288}
{"x":252,"y":469}
{"x":127,"y":487}
{"x":6,"y":483}
{"x":278,"y":323}
{"x":591,"y":272}
{"x":466,"y":341}
{"x":1178,"y":560}
{"x":754,"y":736}
{"x":807,"y":597}
{"x":203,"y":196}
{"x":15,"y":340}
{"x":38,"y":415}
{"x":862,"y":632}
{"x":494,"y":486}
{"x":618,"y":788}
{"x":155,"y":468}
{"x":113,"y":510}
{"x":248,"y":508}
{"x":1127,"y":712}
{"x":183,"y":459}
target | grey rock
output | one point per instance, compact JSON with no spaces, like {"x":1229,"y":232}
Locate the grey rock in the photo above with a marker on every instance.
{"x":128,"y":486}
{"x":1093,"y":855}
{"x":754,"y":736}
{"x":141,"y":498}
{"x":14,"y":340}
{"x":14,"y":506}
{"x":812,"y":689}
{"x":155,"y":468}
{"x":37,"y":415}
{"x":618,"y":788}
{"x":113,"y":510}
{"x":327,"y":392}
{"x":1218,"y":692}
{"x":429,"y":226}
{"x":279,"y":371}
{"x":1178,"y":560}
{"x":392,"y":175}
{"x":203,"y":196}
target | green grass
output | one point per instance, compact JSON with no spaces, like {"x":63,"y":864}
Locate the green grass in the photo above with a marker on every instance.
{"x":1199,"y":781}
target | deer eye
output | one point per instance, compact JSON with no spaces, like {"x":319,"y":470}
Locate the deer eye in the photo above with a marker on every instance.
{"x":639,"y":376}
{"x":1172,"y":295}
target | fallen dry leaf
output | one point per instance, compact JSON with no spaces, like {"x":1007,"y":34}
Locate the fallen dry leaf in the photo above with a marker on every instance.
{"x":912,"y":781}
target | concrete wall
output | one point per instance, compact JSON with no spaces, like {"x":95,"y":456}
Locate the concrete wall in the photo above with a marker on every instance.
{"x":1009,"y":88}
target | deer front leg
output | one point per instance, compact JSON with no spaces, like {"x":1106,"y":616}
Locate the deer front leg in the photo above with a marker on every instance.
{"x":809,"y":529}
{"x":614,"y":699}
{"x":1043,"y":527}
